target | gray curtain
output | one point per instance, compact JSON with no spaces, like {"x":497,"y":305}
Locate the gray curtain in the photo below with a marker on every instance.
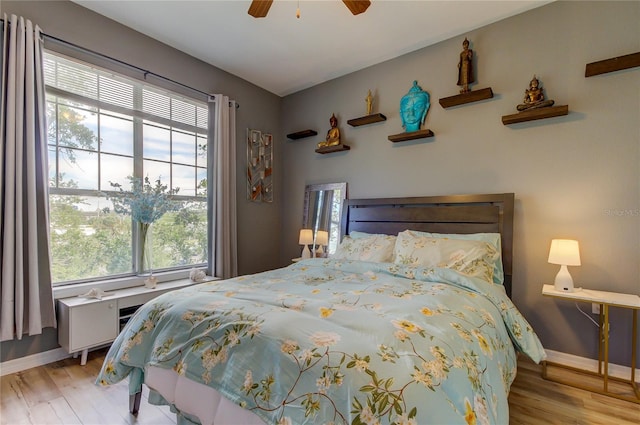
{"x":223,"y":252}
{"x":26,"y":294}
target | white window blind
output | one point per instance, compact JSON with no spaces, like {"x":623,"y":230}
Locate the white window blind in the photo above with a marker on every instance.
{"x":97,"y":87}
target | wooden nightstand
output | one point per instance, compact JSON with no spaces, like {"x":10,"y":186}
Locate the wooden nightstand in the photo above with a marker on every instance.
{"x":606,"y":300}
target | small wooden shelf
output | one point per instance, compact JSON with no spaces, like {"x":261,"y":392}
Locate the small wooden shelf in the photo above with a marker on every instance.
{"x":461,"y":99}
{"x":301,"y":134}
{"x":536,"y":114}
{"x":613,"y":64}
{"x":403,"y":137}
{"x":367,"y":119}
{"x":334,"y":148}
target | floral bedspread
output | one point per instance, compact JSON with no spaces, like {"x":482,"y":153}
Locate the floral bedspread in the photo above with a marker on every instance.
{"x":338,"y":342}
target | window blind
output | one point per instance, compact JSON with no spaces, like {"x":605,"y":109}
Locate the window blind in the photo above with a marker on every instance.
{"x":97,"y":87}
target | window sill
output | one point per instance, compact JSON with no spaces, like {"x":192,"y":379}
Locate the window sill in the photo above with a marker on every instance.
{"x":116,"y":284}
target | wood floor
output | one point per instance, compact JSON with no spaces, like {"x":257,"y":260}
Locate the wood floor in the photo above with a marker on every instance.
{"x":64,"y":393}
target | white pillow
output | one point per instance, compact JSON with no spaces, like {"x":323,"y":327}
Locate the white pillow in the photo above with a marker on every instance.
{"x":492,"y":238}
{"x":473,"y":258}
{"x":376,"y":248}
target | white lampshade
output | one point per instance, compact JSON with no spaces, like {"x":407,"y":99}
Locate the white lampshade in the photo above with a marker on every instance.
{"x":322,"y":238}
{"x":565,"y":252}
{"x":306,"y":238}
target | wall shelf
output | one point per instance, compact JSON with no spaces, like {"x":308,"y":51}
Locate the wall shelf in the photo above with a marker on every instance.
{"x":301,"y":134}
{"x":403,"y":137}
{"x":334,"y":148}
{"x":367,"y":119}
{"x":613,"y":64}
{"x":462,"y":98}
{"x":536,"y":114}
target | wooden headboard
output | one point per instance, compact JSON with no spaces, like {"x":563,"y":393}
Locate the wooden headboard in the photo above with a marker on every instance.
{"x":490,"y":213}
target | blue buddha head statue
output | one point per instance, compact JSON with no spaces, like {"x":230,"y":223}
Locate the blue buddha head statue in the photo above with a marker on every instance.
{"x":414,"y":107}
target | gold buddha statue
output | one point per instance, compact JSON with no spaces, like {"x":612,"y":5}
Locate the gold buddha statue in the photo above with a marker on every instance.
{"x":534,"y":97}
{"x":465,"y":67}
{"x":333,"y":135}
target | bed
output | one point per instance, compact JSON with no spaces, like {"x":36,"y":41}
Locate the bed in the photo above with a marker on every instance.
{"x":410,"y":322}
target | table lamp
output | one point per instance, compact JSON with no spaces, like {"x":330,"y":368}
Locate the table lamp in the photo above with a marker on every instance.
{"x":564,"y":252}
{"x":306,"y":238}
{"x":322,"y":240}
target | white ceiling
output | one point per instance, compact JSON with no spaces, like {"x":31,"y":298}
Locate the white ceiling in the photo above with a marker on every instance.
{"x":283,"y":54}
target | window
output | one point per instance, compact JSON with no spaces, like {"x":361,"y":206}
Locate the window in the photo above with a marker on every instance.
{"x":103,"y":129}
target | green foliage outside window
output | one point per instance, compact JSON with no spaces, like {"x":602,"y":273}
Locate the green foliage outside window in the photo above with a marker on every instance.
{"x":88,"y":239}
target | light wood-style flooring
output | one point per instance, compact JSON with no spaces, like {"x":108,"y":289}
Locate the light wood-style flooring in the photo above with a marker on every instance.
{"x":64,"y":393}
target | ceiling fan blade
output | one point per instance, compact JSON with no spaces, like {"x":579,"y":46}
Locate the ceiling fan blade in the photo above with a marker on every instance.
{"x":259,"y":8}
{"x":357,"y":6}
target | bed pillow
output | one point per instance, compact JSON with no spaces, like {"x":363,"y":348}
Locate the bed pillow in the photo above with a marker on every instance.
{"x":376,"y":248}
{"x":470,"y":257}
{"x":492,"y":238}
{"x":359,"y":235}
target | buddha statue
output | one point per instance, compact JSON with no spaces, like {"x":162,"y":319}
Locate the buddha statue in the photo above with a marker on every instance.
{"x":534,"y":97}
{"x":465,"y":67}
{"x":413,"y":108}
{"x":333,"y":135}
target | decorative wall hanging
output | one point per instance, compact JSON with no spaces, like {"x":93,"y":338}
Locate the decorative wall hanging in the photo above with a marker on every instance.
{"x":465,"y":78}
{"x":535,"y":106}
{"x":413,"y":110}
{"x":332,"y":142}
{"x":259,"y":166}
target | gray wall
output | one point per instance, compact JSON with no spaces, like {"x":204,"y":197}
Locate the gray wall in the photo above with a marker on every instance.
{"x":258,"y":224}
{"x":574,"y":177}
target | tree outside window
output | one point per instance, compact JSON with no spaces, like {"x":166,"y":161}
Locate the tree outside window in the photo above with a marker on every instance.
{"x":93,"y":143}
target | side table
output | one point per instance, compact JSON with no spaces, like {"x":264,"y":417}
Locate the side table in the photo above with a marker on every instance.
{"x":606,"y":300}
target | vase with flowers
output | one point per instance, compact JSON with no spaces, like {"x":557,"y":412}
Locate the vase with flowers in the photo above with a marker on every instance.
{"x":145,"y":203}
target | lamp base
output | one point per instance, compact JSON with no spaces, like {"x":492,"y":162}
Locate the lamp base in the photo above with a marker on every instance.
{"x":305,"y":252}
{"x":564,"y":281}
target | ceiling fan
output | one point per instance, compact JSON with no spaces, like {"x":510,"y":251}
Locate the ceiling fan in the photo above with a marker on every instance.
{"x":260,"y":8}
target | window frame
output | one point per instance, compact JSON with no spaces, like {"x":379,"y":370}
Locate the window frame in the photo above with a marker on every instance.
{"x":128,"y":279}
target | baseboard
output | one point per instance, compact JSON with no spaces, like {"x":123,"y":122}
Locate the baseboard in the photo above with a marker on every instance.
{"x":615,"y":370}
{"x":34,"y":360}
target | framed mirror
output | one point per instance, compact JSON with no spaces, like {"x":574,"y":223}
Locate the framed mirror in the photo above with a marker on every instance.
{"x":323,"y":211}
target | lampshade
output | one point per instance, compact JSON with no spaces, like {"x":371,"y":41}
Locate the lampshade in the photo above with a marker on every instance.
{"x":322,"y":238}
{"x":306,"y":237}
{"x":564,"y":252}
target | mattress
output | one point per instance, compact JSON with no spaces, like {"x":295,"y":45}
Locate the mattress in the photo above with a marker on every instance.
{"x":194,"y":400}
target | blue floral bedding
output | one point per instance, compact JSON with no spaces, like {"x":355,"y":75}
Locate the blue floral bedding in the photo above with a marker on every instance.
{"x":338,"y":342}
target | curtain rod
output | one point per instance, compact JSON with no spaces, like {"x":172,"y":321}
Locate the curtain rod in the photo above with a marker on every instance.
{"x":137,"y":68}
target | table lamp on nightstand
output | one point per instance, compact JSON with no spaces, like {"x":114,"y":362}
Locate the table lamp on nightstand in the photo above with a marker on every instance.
{"x":564,"y":252}
{"x":306,"y":239}
{"x":322,"y":240}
